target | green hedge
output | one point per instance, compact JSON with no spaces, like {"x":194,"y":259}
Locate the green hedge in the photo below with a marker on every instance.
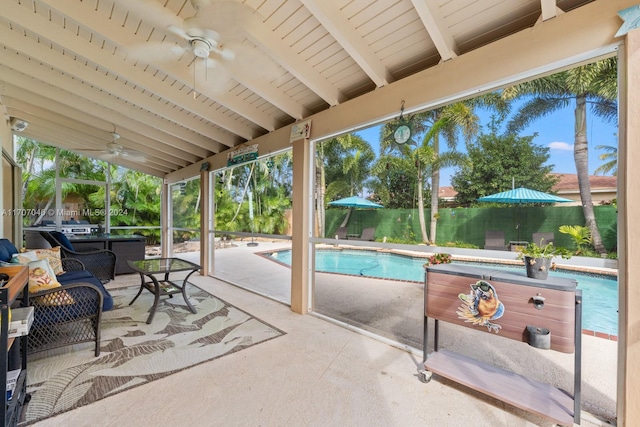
{"x":469,"y":224}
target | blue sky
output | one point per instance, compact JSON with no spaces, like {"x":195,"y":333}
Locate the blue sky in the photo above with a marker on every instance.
{"x":555,"y":132}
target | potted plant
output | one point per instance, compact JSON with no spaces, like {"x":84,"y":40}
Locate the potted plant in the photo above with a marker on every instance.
{"x":537,"y":258}
{"x":439,"y":258}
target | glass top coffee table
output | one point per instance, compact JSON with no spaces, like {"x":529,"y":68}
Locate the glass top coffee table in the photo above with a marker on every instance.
{"x":163,"y":286}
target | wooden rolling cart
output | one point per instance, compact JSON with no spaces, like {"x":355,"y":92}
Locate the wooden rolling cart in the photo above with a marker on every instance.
{"x":15,"y":288}
{"x":546,"y":314}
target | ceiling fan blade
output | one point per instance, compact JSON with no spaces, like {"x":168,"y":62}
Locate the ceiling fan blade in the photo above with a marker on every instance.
{"x":157,"y":52}
{"x":133,"y":156}
{"x":179,"y":31}
{"x":212,"y":74}
{"x":227,"y":17}
{"x":253,"y":58}
{"x":151,"y":11}
{"x":197,"y":4}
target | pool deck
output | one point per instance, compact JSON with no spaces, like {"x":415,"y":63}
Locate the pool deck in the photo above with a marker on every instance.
{"x":392,"y":312}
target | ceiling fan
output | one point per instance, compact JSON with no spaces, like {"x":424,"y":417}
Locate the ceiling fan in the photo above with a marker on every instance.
{"x":213,"y":36}
{"x":203,"y":41}
{"x":114,"y":149}
{"x":197,"y":31}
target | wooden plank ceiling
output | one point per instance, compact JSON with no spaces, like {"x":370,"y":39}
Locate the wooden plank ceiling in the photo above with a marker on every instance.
{"x":78,"y":71}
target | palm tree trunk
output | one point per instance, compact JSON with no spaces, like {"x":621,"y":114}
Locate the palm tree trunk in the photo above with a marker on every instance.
{"x":423,"y":225}
{"x":435,"y":189}
{"x":320,"y":189}
{"x":581,"y":157}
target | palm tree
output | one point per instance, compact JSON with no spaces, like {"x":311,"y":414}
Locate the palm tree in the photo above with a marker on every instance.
{"x":611,"y":159}
{"x":448,"y":124}
{"x":344,"y":162}
{"x":423,"y":156}
{"x":592,"y":84}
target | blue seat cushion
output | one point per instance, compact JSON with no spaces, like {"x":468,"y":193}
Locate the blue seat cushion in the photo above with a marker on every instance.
{"x":74,"y":276}
{"x":86,"y":276}
{"x":60,"y":237}
{"x":4,"y":254}
{"x":107,"y":299}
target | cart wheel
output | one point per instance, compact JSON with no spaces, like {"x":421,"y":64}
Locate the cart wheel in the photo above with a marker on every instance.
{"x":424,"y":376}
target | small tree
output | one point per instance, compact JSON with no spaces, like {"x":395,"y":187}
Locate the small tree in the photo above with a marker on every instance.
{"x":496,"y":161}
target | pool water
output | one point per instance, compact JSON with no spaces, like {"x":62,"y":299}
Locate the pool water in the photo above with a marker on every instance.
{"x":599,"y":292}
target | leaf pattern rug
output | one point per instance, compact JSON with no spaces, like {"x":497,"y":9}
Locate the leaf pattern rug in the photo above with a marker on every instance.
{"x":134,"y":353}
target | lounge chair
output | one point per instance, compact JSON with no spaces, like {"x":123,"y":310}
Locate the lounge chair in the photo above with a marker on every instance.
{"x":341,"y":233}
{"x":494,"y":240}
{"x":367,"y":234}
{"x":544,"y":237}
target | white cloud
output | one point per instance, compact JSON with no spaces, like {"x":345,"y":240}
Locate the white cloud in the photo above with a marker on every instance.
{"x":562,"y":146}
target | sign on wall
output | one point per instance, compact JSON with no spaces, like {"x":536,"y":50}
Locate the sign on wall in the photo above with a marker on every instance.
{"x":300,"y":130}
{"x":242,"y":155}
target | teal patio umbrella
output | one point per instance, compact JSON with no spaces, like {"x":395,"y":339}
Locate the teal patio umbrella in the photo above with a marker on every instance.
{"x":355,"y":202}
{"x":522,"y":195}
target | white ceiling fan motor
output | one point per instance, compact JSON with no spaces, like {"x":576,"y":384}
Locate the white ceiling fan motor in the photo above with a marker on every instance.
{"x":201,"y":47}
{"x":114,"y":147}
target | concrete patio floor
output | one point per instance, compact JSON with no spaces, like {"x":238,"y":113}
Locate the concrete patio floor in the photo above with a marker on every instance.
{"x":324,"y":374}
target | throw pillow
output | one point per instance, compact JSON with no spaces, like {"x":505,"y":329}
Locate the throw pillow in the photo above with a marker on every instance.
{"x":52,"y":255}
{"x":41,"y":277}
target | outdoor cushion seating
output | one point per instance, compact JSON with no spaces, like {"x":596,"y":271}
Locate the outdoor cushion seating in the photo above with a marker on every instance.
{"x":494,"y":240}
{"x":64,"y":314}
{"x":544,"y":237}
{"x":101,"y":262}
{"x":367,"y":234}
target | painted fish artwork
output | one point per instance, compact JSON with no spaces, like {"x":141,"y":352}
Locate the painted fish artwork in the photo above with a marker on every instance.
{"x":481,"y":306}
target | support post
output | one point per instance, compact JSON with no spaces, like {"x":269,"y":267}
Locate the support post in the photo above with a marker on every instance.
{"x":300,"y":277}
{"x":628,"y":399}
{"x":205,"y":213}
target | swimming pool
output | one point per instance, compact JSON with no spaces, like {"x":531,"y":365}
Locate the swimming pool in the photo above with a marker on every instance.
{"x":599,"y":292}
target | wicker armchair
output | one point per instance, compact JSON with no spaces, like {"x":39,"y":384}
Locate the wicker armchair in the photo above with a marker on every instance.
{"x":102,"y":262}
{"x":70,"y":314}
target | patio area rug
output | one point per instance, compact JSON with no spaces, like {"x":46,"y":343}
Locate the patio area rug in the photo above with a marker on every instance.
{"x":134,"y":353}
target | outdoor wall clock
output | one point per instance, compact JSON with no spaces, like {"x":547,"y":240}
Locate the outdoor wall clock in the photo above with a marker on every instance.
{"x":402,"y":133}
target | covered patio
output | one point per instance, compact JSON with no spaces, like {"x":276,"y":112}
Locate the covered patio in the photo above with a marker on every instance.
{"x":321,"y":373}
{"x":73,"y":73}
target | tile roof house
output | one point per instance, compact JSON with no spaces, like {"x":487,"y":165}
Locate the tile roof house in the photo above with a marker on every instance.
{"x":603,"y":190}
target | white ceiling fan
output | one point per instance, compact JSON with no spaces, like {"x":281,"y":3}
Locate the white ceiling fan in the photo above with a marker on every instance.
{"x":212,"y":35}
{"x":114,"y":149}
{"x":202,"y":40}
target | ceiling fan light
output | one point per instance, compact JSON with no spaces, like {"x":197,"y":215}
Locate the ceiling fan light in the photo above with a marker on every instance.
{"x":201,"y":48}
{"x":114,"y":148}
